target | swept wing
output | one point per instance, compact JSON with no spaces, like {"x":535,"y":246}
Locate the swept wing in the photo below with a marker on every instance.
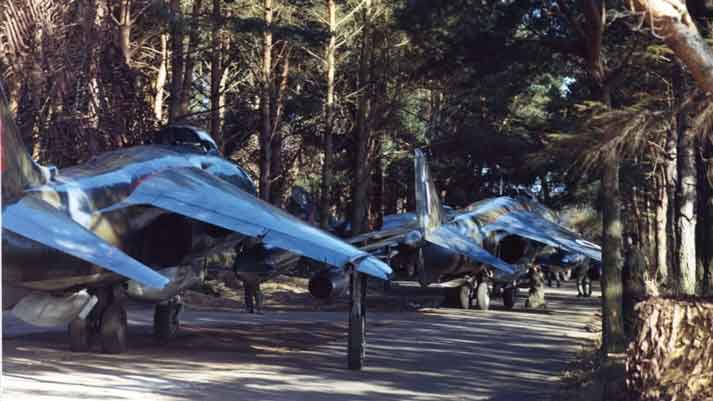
{"x":537,"y":228}
{"x":196,"y":194}
{"x":35,"y":219}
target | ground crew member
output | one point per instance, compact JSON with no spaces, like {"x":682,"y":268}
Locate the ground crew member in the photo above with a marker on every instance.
{"x":584,"y":283}
{"x":251,"y":267}
{"x":253,"y":295}
{"x":536,"y":296}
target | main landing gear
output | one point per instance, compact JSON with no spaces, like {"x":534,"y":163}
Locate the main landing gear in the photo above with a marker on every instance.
{"x":106,"y":322}
{"x":469,"y":293}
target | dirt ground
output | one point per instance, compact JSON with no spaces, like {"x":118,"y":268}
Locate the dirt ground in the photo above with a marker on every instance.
{"x":297,"y":352}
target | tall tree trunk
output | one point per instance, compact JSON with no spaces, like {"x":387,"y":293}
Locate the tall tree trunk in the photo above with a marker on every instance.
{"x":266,"y":129}
{"x":177,"y":65}
{"x":612,"y":317}
{"x":671,"y":185}
{"x":161,"y":79}
{"x":189,"y":58}
{"x":125,"y":30}
{"x":377,"y":198}
{"x":327,"y":166}
{"x":360,"y":187}
{"x":686,"y":210}
{"x":277,"y":186}
{"x":661,"y":221}
{"x":704,"y":226}
{"x":215,"y":76}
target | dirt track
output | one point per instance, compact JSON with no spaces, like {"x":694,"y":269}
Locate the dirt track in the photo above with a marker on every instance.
{"x":443,"y":354}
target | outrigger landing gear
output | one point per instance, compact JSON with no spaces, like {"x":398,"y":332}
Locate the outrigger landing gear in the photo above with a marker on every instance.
{"x":166,"y":319}
{"x":107,"y":321}
{"x":357,"y":321}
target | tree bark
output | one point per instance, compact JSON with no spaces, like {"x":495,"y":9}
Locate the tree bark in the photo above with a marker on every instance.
{"x":266,"y":129}
{"x":215,"y":75}
{"x":327,"y":166}
{"x":671,"y":21}
{"x":377,"y":198}
{"x":686,"y":210}
{"x":177,"y":65}
{"x":360,"y":187}
{"x":277,"y":186}
{"x":704,"y":226}
{"x":161,"y":79}
{"x":671,"y":184}
{"x":190,"y":59}
{"x":613,"y":326}
{"x":661,"y":214}
{"x":125,"y":30}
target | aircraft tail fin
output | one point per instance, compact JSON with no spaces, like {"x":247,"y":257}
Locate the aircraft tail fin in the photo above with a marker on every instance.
{"x":18,"y":169}
{"x":428,"y":204}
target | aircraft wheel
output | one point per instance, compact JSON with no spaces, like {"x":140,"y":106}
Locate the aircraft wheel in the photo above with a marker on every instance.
{"x":509,"y":297}
{"x":166,"y":320}
{"x":465,"y":296}
{"x":483,"y":296}
{"x":80,"y":335}
{"x":587,"y":284}
{"x":113,"y":329}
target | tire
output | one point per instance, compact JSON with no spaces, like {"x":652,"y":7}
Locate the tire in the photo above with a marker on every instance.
{"x":165,"y":320}
{"x":509,"y":297}
{"x":483,"y":296}
{"x":587,"y":284}
{"x":113,"y":329}
{"x":80,"y":335}
{"x":465,"y":296}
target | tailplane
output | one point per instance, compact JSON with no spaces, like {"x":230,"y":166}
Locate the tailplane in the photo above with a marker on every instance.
{"x":428,"y":203}
{"x":19,"y":172}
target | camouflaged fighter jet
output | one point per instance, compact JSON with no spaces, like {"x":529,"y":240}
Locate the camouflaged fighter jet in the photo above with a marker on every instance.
{"x":477,"y":251}
{"x":77,"y":241}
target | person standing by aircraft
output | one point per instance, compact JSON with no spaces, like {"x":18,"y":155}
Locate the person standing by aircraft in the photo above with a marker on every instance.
{"x":584,"y":283}
{"x":253,"y":296}
{"x":251,"y":267}
{"x":536,"y":297}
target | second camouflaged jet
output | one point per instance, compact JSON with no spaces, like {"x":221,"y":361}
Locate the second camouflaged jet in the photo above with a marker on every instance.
{"x":482,"y":249}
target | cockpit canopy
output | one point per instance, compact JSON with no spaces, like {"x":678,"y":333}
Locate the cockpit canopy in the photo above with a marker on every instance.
{"x":185,"y":135}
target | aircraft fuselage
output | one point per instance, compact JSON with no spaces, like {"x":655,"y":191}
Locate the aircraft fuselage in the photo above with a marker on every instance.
{"x":86,"y":193}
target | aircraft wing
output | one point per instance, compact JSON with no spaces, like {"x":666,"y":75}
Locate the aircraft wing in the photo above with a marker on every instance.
{"x":450,"y":239}
{"x":537,"y":228}
{"x":199,"y":195}
{"x":35,"y":219}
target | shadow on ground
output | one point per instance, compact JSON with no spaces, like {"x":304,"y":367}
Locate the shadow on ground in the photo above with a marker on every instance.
{"x":434,"y":354}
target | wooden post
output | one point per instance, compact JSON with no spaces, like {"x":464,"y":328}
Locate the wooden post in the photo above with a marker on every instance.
{"x":356,"y":342}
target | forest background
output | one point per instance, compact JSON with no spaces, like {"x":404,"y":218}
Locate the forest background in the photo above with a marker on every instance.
{"x":600,"y":108}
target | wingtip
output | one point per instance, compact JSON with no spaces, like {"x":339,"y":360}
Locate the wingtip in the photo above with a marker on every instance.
{"x":375,"y":268}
